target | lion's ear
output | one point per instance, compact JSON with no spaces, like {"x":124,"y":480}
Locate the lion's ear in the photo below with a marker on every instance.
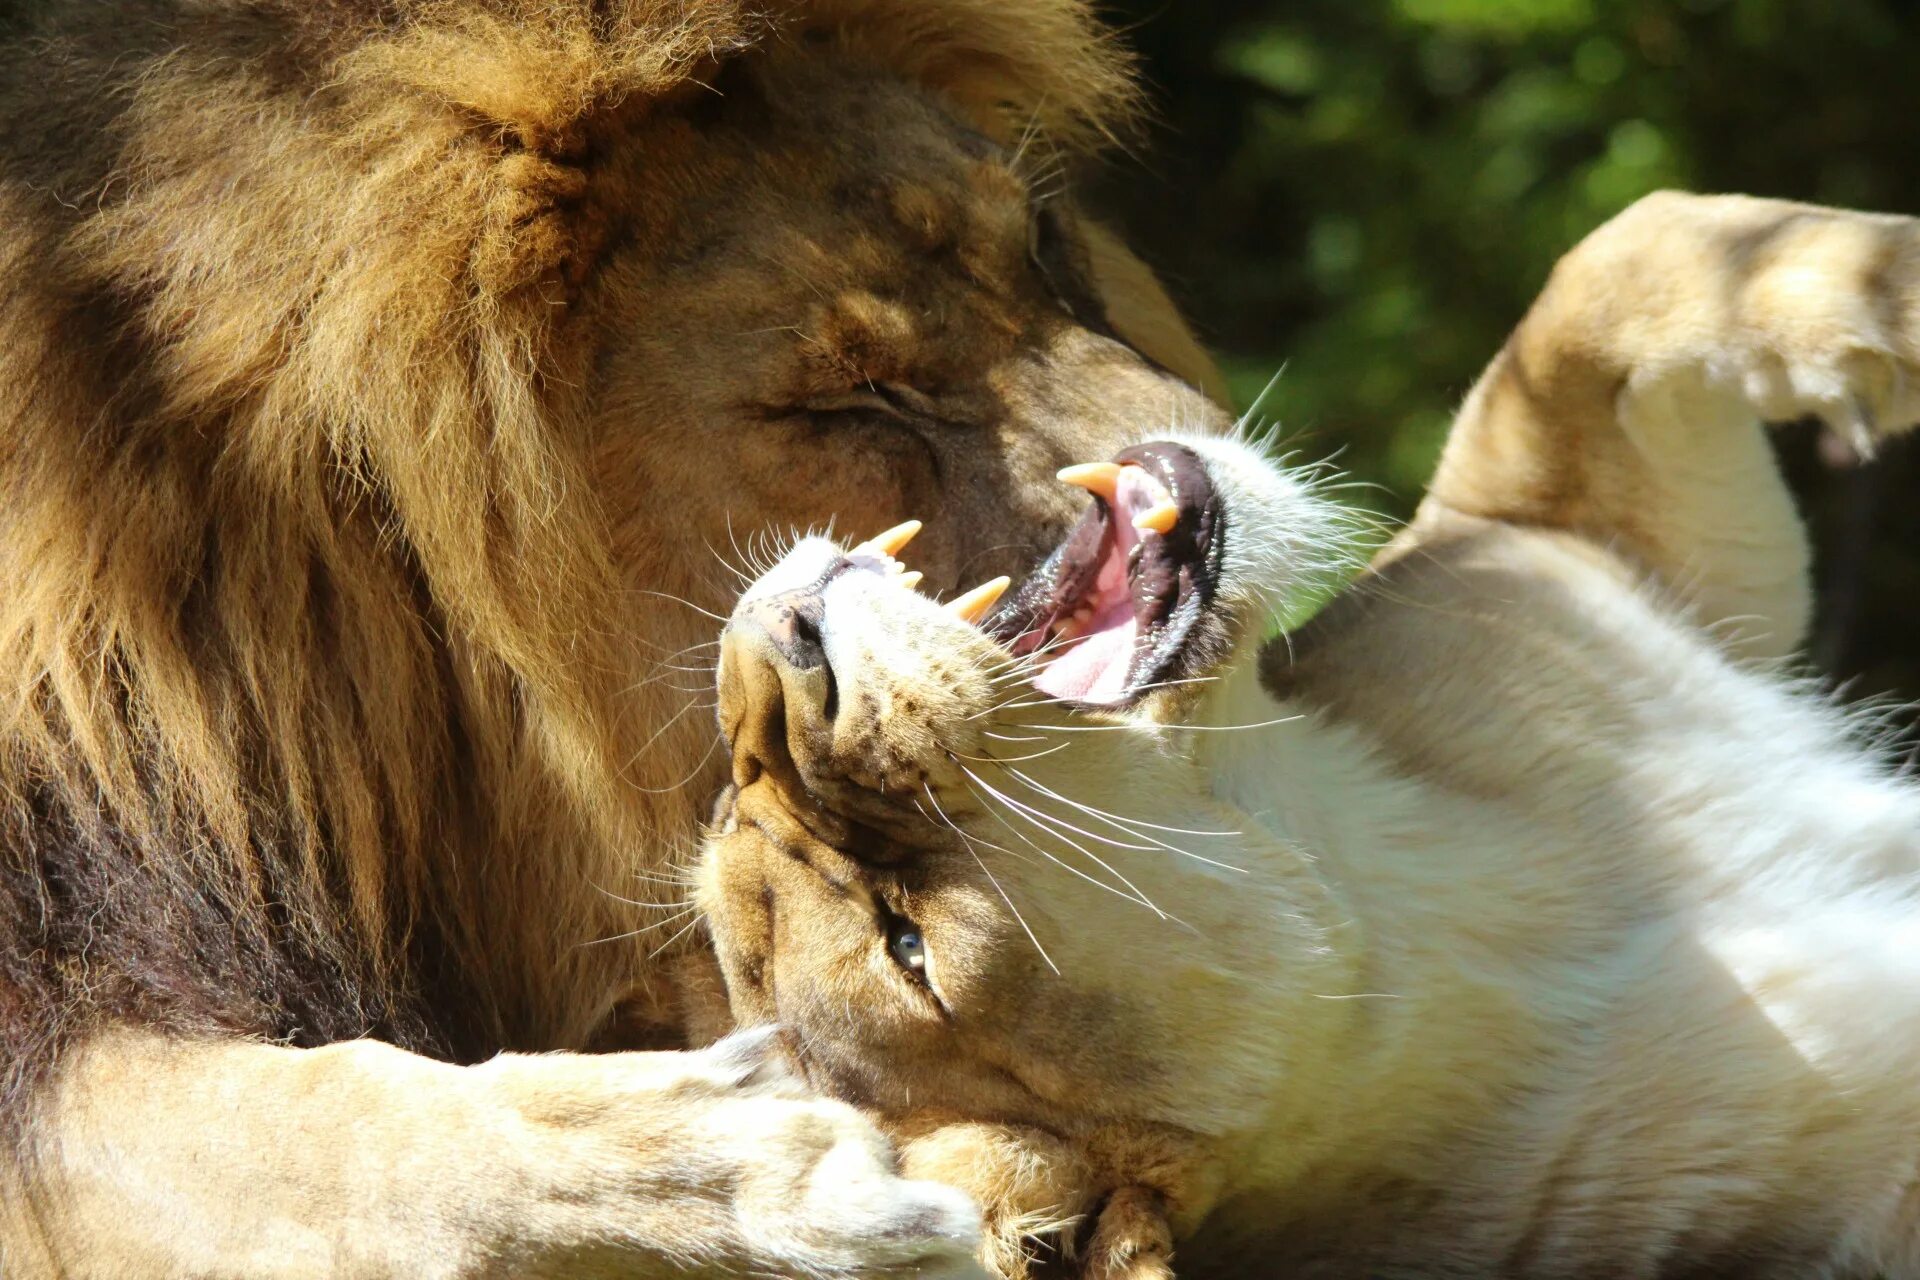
{"x":1011,"y":65}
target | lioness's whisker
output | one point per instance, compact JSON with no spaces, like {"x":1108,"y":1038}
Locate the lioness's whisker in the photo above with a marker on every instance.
{"x":1114,"y":817}
{"x":1120,"y":823}
{"x":662,"y":670}
{"x":681,"y":933}
{"x":1057,"y":861}
{"x":737,"y":570}
{"x":1042,"y":821}
{"x":1021,"y":706}
{"x":1059,"y":822}
{"x":682,"y":878}
{"x":685,"y":651}
{"x":661,"y":731}
{"x":694,"y":773}
{"x":682,"y":600}
{"x":978,"y":839}
{"x":645,"y":928}
{"x":991,"y":878}
{"x":1131,"y":728}
{"x":645,"y":906}
{"x":999,"y":760}
{"x":703,"y":670}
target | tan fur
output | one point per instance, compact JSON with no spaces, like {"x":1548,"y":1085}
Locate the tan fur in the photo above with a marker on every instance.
{"x":1559,"y":936}
{"x":385,"y":389}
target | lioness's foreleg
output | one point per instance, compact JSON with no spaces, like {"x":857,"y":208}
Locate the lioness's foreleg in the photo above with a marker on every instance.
{"x":1628,"y":404}
{"x":159,"y":1157}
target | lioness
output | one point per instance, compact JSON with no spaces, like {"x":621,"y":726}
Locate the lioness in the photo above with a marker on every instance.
{"x":1516,"y":917}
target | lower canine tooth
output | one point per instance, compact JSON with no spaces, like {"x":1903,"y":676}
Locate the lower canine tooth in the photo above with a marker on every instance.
{"x":973,"y":606}
{"x":1160,"y":518}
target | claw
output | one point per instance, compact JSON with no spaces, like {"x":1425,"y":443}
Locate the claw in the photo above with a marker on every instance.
{"x":1160,"y":518}
{"x":910,"y":579}
{"x":973,"y":606}
{"x":890,"y":542}
{"x":1099,"y":478}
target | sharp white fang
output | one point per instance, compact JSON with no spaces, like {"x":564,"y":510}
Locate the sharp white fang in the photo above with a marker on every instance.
{"x":890,"y":542}
{"x":973,"y":606}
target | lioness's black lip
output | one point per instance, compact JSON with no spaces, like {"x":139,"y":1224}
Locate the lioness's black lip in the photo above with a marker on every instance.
{"x":1174,"y":579}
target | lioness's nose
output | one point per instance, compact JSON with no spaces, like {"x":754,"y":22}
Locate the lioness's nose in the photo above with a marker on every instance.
{"x":791,"y":621}
{"x":774,"y":678}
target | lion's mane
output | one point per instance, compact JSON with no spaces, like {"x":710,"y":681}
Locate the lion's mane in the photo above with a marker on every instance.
{"x":315,"y":694}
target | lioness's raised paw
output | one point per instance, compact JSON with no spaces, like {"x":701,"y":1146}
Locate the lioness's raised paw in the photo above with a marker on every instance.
{"x":1627,"y":407}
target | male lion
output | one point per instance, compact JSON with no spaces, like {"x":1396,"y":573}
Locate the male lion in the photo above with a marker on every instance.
{"x":1516,"y":918}
{"x":380,"y":384}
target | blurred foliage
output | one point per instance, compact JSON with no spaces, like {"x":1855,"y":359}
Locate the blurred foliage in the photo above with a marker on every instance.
{"x":1370,"y":192}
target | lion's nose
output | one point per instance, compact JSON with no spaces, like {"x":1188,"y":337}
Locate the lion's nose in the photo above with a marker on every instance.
{"x":792,"y":622}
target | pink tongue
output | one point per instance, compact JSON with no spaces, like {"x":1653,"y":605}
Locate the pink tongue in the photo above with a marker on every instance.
{"x":1094,"y":668}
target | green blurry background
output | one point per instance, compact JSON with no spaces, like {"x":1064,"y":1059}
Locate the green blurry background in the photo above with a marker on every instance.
{"x":1369,"y":192}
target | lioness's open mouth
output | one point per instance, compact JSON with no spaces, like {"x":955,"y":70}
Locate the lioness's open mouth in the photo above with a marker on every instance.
{"x":1118,"y":608}
{"x":1112,"y":611}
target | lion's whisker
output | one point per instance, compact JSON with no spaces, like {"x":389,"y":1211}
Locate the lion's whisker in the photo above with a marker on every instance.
{"x":977,"y":839}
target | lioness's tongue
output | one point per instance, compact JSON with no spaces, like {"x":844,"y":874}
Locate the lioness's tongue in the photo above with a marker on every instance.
{"x":1092,"y":663}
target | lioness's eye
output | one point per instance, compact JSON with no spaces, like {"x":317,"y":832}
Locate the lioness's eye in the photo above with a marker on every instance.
{"x":908,"y":947}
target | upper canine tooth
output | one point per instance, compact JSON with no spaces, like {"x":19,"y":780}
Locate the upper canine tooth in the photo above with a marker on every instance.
{"x":1161,"y":517}
{"x":1101,"y":478}
{"x":911,"y":579}
{"x":973,"y":606}
{"x":890,"y":542}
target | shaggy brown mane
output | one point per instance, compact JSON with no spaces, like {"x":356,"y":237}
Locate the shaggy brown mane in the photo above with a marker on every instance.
{"x":317,"y":718}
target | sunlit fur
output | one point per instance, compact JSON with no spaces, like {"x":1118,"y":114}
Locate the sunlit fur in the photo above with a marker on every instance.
{"x":1507,"y":920}
{"x":383,"y":388}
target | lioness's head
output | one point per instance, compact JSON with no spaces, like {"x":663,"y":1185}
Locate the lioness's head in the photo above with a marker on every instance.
{"x":969,"y":860}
